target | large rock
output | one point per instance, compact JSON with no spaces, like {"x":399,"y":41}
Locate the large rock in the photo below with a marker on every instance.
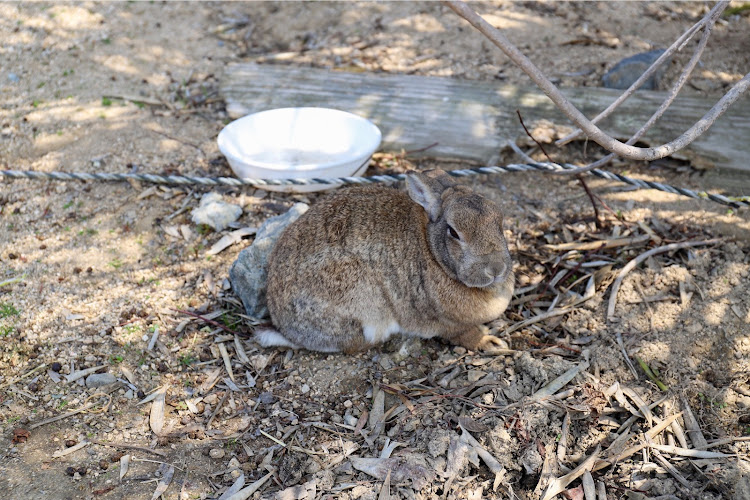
{"x":248,"y":273}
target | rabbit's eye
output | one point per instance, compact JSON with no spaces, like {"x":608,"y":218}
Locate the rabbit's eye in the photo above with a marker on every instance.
{"x":453,"y":234}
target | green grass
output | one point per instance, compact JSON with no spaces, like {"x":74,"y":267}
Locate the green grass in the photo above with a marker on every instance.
{"x":116,"y":263}
{"x":6,"y":330}
{"x":7,"y":310}
{"x":106,"y":101}
{"x":187,"y":360}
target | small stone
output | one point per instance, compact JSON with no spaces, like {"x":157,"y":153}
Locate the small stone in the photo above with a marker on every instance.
{"x":70,"y":442}
{"x":211,"y":399}
{"x":129,"y":394}
{"x":348,"y":403}
{"x":474,"y":375}
{"x":214,"y":212}
{"x":627,"y":71}
{"x":459,"y":350}
{"x":350,"y":420}
{"x":55,"y":367}
{"x":304,"y":389}
{"x":216,"y":453}
{"x":248,"y":273}
{"x":103,"y":464}
{"x":386,"y":363}
{"x":14,"y":77}
{"x":100,"y":380}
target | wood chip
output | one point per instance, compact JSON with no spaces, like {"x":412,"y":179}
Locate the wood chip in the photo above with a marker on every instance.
{"x":72,"y":449}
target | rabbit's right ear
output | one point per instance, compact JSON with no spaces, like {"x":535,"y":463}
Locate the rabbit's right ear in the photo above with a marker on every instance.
{"x":425,"y":191}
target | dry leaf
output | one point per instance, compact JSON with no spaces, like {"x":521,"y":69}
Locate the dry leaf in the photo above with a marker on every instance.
{"x":156,"y":416}
{"x":124,"y":465}
{"x":163,"y":484}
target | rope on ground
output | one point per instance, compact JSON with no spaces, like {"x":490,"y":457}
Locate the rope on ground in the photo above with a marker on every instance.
{"x":732,"y":201}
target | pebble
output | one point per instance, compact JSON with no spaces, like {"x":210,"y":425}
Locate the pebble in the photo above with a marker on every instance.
{"x":459,"y":350}
{"x":129,"y":394}
{"x":304,"y":389}
{"x":216,"y":453}
{"x":100,"y":380}
{"x":348,"y":403}
{"x":14,"y":77}
{"x":350,"y":420}
{"x":214,"y":212}
{"x":386,"y":363}
{"x":474,"y":375}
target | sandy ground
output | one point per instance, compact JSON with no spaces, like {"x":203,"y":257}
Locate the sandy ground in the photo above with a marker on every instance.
{"x":118,"y":87}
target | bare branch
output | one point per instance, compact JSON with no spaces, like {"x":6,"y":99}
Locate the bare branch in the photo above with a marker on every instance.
{"x":670,"y":97}
{"x":676,"y":46}
{"x":591,"y":130}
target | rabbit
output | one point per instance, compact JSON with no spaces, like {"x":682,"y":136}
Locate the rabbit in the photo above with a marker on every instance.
{"x":368,"y":262}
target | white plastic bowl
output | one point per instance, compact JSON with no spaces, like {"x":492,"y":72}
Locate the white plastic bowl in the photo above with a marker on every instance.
{"x":299,"y":143}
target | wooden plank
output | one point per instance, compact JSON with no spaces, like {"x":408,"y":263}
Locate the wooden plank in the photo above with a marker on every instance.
{"x":473,"y":119}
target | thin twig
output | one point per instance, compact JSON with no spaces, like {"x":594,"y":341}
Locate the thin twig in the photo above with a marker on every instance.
{"x":633,"y":263}
{"x":676,"y":46}
{"x":209,"y":321}
{"x":591,"y":130}
{"x":673,"y":91}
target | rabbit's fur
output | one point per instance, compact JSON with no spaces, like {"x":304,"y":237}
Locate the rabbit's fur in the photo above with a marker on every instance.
{"x":366,"y":263}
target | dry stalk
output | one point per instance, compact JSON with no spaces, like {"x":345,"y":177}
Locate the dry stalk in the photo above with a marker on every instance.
{"x":589,"y":128}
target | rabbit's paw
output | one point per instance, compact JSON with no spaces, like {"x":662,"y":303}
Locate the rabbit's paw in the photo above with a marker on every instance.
{"x":489,"y":342}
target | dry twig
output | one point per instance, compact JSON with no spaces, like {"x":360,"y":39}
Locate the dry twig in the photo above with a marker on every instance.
{"x":589,"y":128}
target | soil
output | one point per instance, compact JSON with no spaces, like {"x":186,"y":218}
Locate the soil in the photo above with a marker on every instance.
{"x":119,"y":87}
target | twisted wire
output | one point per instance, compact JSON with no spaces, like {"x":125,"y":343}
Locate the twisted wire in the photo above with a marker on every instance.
{"x":732,"y":201}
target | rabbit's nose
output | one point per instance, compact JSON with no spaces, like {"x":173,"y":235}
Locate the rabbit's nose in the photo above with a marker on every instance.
{"x":496,"y":273}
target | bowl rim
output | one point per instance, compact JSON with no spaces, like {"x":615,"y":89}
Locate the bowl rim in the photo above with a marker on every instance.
{"x":372,"y":142}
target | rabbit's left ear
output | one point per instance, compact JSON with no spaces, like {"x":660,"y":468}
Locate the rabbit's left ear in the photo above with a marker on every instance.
{"x":426,"y":191}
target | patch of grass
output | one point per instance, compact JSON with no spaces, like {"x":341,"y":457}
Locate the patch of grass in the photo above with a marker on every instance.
{"x":68,"y":72}
{"x":115,"y":359}
{"x":106,"y":101}
{"x":41,"y":84}
{"x":116,"y":263}
{"x":106,"y":41}
{"x":6,"y":330}
{"x":35,"y":103}
{"x":7,"y":310}
{"x":186,"y":360}
{"x":62,"y":404}
{"x":132,"y":328}
{"x":204,"y":229}
{"x":68,"y":205}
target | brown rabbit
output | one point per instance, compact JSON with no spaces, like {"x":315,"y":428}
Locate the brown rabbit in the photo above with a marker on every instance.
{"x":366,"y":263}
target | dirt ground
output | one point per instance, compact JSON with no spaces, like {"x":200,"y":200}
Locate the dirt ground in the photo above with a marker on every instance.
{"x":105,"y":267}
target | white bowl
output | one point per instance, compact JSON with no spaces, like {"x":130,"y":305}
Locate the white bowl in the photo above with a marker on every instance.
{"x":299,"y":143}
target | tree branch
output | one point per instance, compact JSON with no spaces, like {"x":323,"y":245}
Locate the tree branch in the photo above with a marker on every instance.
{"x":670,"y":97}
{"x":591,"y":130}
{"x":676,"y":46}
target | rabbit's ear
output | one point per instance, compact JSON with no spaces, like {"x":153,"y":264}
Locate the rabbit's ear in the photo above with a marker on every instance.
{"x":426,"y":191}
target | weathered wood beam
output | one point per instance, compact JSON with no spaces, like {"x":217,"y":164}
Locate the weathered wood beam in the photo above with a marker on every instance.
{"x":473,"y":119}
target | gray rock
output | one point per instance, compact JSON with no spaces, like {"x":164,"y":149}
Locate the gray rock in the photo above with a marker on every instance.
{"x":13,"y":77}
{"x":215,"y":212}
{"x":627,"y":71}
{"x":248,"y":273}
{"x":100,"y":380}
